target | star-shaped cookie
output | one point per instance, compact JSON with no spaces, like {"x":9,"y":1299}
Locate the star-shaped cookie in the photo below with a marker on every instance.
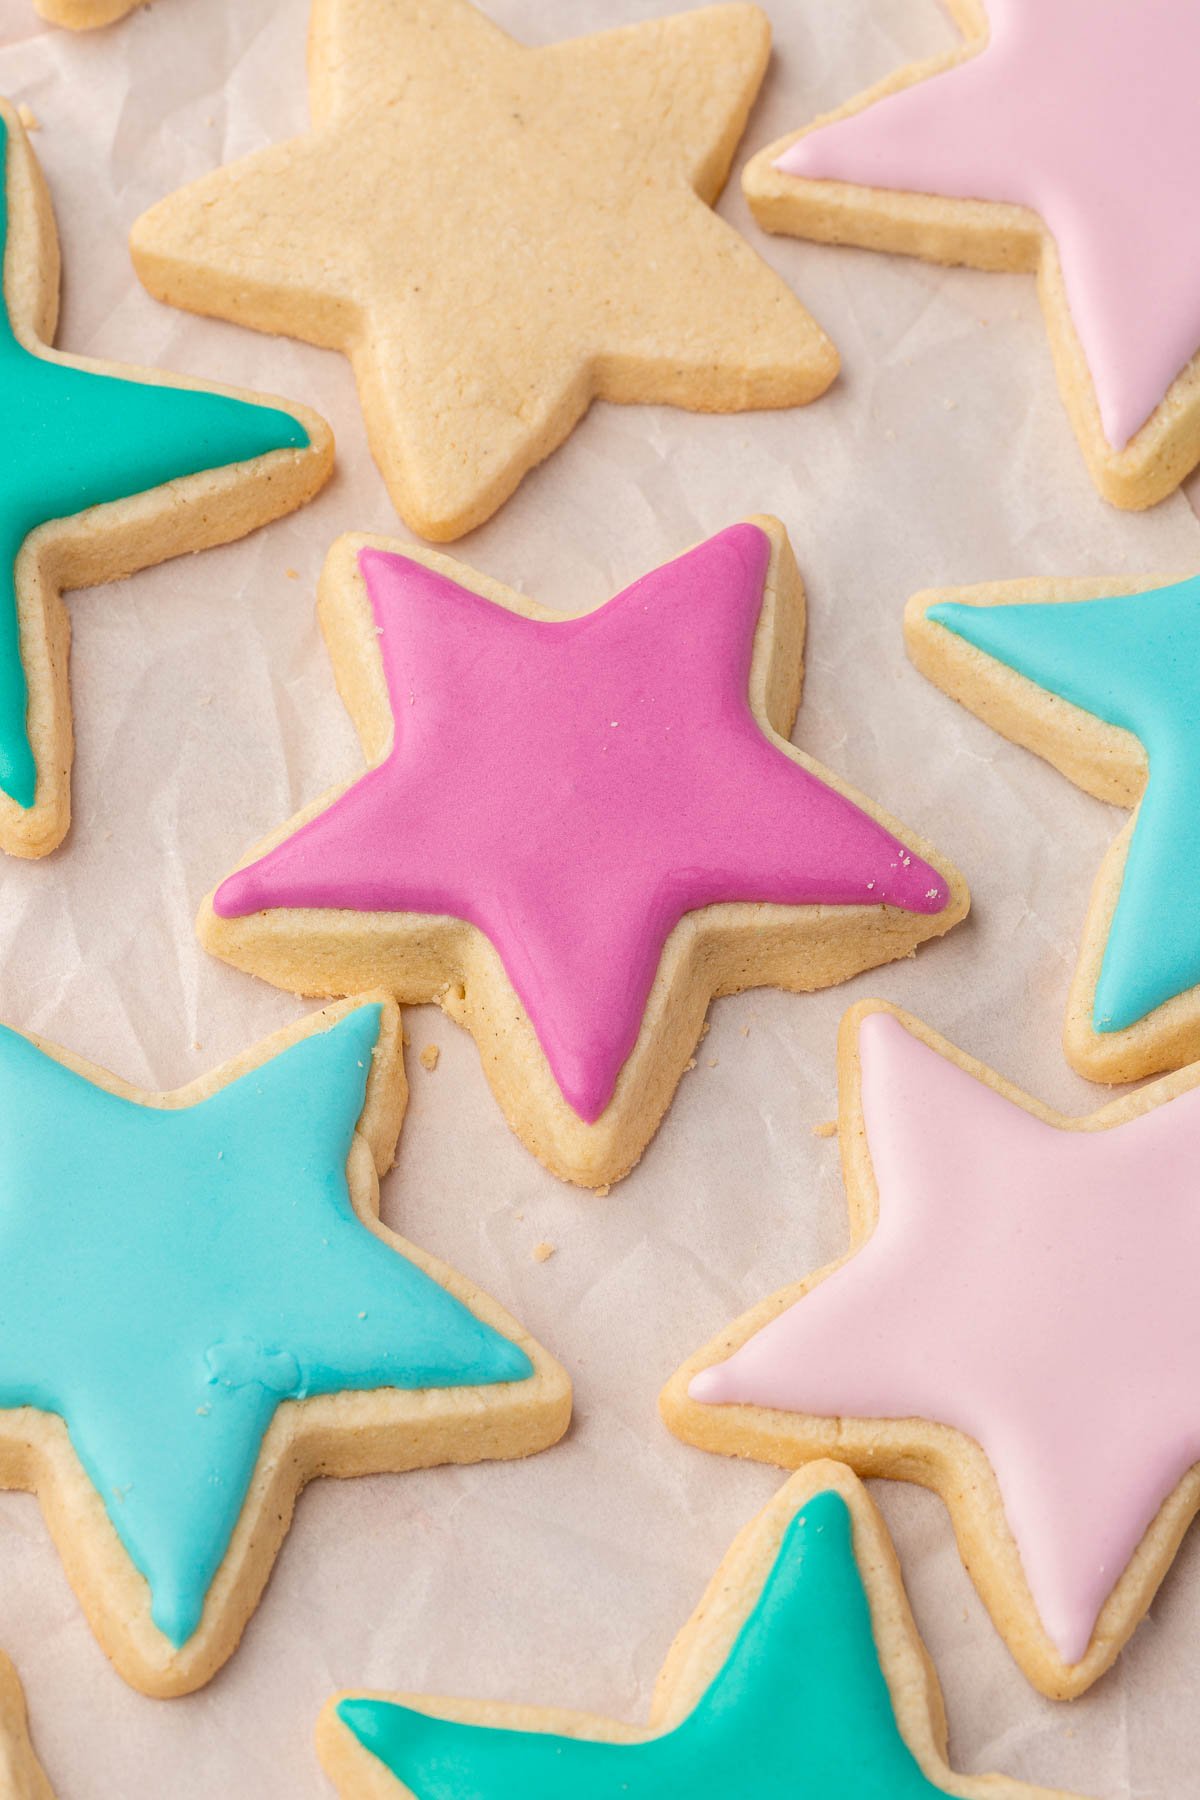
{"x":574,"y":832}
{"x":1054,"y":138}
{"x":799,"y":1673}
{"x":83,"y":15}
{"x":21,"y":1775}
{"x":107,"y":469}
{"x":1015,"y":1325}
{"x":202,"y":1311}
{"x":498,"y":235}
{"x":1103,"y":680}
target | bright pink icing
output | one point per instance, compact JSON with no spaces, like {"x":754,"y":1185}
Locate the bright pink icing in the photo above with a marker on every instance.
{"x":1036,"y":1288}
{"x":574,"y":787}
{"x":1084,"y":111}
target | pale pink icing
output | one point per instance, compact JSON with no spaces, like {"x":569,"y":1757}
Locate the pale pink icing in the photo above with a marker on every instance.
{"x":574,"y":787}
{"x":1083,"y":110}
{"x":1038,"y":1289}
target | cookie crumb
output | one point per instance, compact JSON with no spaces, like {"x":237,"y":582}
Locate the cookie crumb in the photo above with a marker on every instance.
{"x":429,"y":1057}
{"x":705,"y":1029}
{"x":28,"y":117}
{"x":544,"y":1251}
{"x":602,"y":1193}
{"x":745,"y":1031}
{"x":405,"y":1039}
{"x":292,"y":574}
{"x":518,"y":1217}
{"x":827,"y":1128}
{"x":713,"y":1061}
{"x":689,"y":1064}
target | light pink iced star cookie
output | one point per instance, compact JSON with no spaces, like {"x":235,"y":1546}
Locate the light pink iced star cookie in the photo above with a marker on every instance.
{"x":1058,"y":137}
{"x":1015,"y":1325}
{"x":572,"y":833}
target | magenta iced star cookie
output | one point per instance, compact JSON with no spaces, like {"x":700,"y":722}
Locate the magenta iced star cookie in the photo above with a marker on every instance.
{"x":1015,"y":1325}
{"x":573,"y":833}
{"x":1058,"y":138}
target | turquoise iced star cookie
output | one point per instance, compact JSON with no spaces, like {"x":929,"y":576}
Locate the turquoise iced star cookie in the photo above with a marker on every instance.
{"x":799,"y":1675}
{"x":1103,"y":680}
{"x":199,"y":1310}
{"x":104,"y":470}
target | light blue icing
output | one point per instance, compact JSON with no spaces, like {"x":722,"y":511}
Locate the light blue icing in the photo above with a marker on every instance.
{"x":70,"y":440}
{"x":1133,"y":662}
{"x":800,"y":1710}
{"x":168,"y":1276}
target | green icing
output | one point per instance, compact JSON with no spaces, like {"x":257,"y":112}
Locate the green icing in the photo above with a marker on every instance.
{"x":78,"y":440}
{"x":1134,"y":662}
{"x":799,"y":1711}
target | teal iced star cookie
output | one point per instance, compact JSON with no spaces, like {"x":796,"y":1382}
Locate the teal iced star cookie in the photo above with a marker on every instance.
{"x":799,"y":1674}
{"x":199,"y":1310}
{"x":1102,"y":679}
{"x":104,"y":470}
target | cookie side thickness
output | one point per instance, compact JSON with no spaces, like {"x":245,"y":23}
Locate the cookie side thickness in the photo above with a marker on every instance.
{"x":1147,"y":1511}
{"x":718,"y":948}
{"x":602,"y":155}
{"x":152,"y":468}
{"x":21,"y":1775}
{"x":377,"y":1299}
{"x":1143,"y":454}
{"x":1111,"y":1034}
{"x":803,"y":1646}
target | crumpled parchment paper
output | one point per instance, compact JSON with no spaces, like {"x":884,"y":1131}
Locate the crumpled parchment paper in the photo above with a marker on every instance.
{"x":205,"y":713}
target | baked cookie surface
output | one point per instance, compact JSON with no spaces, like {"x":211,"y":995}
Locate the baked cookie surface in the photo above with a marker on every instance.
{"x":84,"y":15}
{"x":21,"y":1775}
{"x":223,"y":1319}
{"x":1009,"y":1327}
{"x":498,"y":235}
{"x":1103,"y":680}
{"x":1034,"y":145}
{"x":573,"y":833}
{"x":801,"y":1672}
{"x":109,"y":470}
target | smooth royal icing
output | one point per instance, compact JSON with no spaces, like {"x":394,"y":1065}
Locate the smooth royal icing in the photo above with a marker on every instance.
{"x":79,"y":439}
{"x":574,"y":788}
{"x":169,"y":1275}
{"x":1026,"y":1285}
{"x":800,"y":1706}
{"x":1079,"y":111}
{"x":1134,"y":662}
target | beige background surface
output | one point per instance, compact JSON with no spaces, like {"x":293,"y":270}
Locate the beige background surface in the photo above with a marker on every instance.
{"x":205,"y":713}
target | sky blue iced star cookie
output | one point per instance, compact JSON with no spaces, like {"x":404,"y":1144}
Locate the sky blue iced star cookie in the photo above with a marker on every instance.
{"x":799,"y":1677}
{"x":199,"y":1310}
{"x":1102,"y":678}
{"x":103,"y":470}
